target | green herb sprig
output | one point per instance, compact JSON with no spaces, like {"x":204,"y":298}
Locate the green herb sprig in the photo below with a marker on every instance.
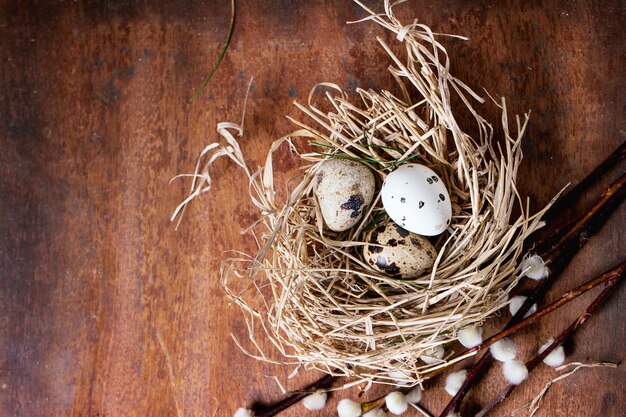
{"x":222,"y":52}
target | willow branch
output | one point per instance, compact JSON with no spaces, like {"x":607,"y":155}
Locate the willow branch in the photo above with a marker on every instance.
{"x":564,"y":299}
{"x":586,"y":224}
{"x":557,"y":252}
{"x":611,"y":284}
{"x":573,"y":194}
{"x":324,"y":382}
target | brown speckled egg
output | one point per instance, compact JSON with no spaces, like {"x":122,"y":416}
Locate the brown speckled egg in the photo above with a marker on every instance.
{"x":398,"y":252}
{"x":344,"y":189}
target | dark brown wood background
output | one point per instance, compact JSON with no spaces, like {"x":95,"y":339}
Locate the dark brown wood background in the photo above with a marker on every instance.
{"x":107,"y":310}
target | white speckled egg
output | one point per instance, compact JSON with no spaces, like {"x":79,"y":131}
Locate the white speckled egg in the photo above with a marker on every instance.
{"x":343,"y":189}
{"x":416,"y":198}
{"x":398,"y":252}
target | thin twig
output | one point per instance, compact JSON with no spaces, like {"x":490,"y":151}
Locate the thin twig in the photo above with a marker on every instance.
{"x":422,"y":410}
{"x":611,"y":284}
{"x":534,"y":404}
{"x":170,"y":372}
{"x":564,"y":299}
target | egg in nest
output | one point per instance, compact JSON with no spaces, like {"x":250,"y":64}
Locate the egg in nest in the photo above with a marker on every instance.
{"x":415,"y":197}
{"x":397,"y":252}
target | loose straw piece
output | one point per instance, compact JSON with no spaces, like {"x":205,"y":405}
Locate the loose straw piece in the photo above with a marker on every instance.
{"x":534,"y":406}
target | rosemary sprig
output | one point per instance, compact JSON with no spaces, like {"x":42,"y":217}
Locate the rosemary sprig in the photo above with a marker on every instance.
{"x":372,"y":145}
{"x":321,"y":145}
{"x":365,"y":159}
{"x":375,"y":221}
{"x":402,"y":161}
{"x":349,"y":158}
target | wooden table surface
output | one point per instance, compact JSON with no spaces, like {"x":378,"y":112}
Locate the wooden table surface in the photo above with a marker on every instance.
{"x":107,"y":310}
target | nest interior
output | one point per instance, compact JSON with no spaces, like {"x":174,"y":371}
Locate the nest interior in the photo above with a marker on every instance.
{"x":309,"y":289}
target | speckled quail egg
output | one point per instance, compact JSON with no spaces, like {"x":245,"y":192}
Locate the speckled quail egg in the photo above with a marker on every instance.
{"x":398,"y":252}
{"x":344,"y":190}
{"x":415,"y":197}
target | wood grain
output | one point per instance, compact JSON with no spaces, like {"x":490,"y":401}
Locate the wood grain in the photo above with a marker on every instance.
{"x":107,"y":310}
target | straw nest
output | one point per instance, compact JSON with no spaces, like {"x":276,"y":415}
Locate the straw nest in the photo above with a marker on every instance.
{"x":309,"y":289}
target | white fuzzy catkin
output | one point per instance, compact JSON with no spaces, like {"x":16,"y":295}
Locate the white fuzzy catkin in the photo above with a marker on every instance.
{"x":243,"y":412}
{"x":433,"y":355}
{"x":515,"y":371}
{"x":348,"y":408}
{"x":470,"y":336}
{"x":516,"y":304}
{"x":535,"y":268}
{"x":415,"y":395}
{"x":554,"y":358}
{"x":503,"y":350}
{"x":315,"y":401}
{"x":454,"y":381}
{"x":400,"y":378}
{"x":377,"y":412}
{"x":396,"y":402}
